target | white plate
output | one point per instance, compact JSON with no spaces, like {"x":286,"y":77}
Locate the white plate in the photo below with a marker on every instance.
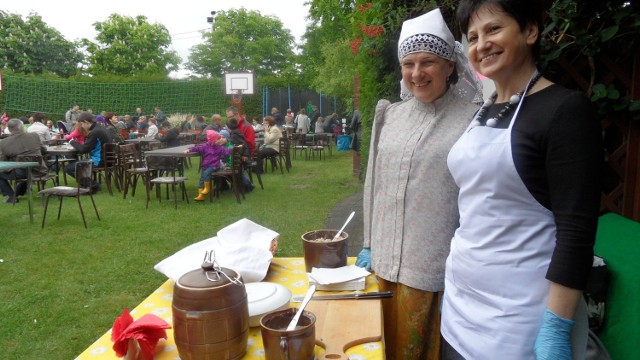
{"x":265,"y":297}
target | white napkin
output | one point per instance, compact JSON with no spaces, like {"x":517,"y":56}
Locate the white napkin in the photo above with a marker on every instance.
{"x":242,"y":246}
{"x":327,"y":276}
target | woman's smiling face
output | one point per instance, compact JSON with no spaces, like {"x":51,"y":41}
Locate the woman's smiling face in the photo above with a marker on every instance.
{"x":425,"y":75}
{"x":498,"y":47}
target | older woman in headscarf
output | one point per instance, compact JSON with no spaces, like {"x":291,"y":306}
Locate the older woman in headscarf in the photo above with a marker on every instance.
{"x":410,"y":210}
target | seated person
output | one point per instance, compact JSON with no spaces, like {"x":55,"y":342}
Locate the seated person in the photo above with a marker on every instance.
{"x":187,"y":124}
{"x":53,"y":129}
{"x":78,"y":133}
{"x":213,"y":151}
{"x":98,"y":135}
{"x":112,"y":127}
{"x":38,"y":127}
{"x":152,"y":131}
{"x":18,"y":143}
{"x":216,"y":123}
{"x":169,"y":135}
{"x":200,"y":124}
{"x":129,"y":123}
{"x":237,"y":138}
{"x":272,"y":135}
{"x":257,"y":126}
{"x":142,"y":126}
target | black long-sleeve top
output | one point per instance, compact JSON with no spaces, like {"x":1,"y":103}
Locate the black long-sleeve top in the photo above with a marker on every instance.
{"x":557,"y":150}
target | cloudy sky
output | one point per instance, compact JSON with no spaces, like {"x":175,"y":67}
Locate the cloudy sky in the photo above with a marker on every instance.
{"x":184,"y":19}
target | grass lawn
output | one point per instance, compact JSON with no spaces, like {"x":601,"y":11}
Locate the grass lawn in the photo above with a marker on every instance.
{"x":61,"y":287}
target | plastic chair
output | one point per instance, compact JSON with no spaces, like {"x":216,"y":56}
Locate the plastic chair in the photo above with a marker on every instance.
{"x":83,"y":172}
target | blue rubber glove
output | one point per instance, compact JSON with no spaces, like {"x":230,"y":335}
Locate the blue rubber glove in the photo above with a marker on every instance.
{"x":364,"y":259}
{"x":554,"y":338}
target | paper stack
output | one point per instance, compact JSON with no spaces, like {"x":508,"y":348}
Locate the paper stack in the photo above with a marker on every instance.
{"x":357,"y":284}
{"x":339,"y":279}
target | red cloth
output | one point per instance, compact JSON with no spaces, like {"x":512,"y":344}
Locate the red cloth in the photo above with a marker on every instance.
{"x":148,"y":330}
{"x":249,"y":134}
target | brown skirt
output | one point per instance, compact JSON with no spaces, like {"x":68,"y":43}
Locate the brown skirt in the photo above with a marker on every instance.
{"x":411,"y":322}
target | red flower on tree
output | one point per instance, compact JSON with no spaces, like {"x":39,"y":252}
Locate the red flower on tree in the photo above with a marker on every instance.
{"x":372,"y":30}
{"x":355,"y":44}
{"x":366,"y":7}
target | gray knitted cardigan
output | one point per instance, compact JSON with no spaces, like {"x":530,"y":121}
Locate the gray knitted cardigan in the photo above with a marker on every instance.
{"x":410,"y":198}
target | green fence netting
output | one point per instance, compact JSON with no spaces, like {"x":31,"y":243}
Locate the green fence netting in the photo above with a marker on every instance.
{"x":24,"y":95}
{"x":55,"y":97}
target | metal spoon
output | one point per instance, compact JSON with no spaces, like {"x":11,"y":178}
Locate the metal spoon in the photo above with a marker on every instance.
{"x":343,"y":226}
{"x":307,"y":297}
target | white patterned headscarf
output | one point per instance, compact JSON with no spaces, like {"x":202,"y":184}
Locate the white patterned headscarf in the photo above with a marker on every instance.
{"x":429,"y":33}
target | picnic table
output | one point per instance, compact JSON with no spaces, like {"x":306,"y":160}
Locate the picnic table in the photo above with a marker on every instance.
{"x":11,"y":165}
{"x":289,"y":272}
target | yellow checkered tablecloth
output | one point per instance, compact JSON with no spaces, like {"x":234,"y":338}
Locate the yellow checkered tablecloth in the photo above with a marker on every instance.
{"x":286,"y":271}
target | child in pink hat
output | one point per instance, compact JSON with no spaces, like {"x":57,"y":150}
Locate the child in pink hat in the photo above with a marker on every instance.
{"x":213,"y":153}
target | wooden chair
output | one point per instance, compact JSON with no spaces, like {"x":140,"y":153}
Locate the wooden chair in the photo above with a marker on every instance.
{"x":40,"y":180}
{"x":318,"y":145}
{"x":233,"y":175}
{"x":131,"y":167}
{"x":250,"y":168}
{"x":280,"y":159}
{"x":285,"y":152}
{"x":124,"y":133}
{"x":167,"y":166}
{"x":329,"y":143}
{"x":299,"y":142}
{"x":109,"y":168}
{"x":83,"y":172}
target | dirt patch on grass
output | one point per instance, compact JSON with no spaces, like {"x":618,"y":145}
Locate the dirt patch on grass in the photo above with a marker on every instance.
{"x":300,"y":186}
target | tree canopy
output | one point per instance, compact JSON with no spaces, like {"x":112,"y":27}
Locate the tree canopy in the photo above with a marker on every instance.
{"x":130,"y":46}
{"x":32,"y":47}
{"x":244,"y":41}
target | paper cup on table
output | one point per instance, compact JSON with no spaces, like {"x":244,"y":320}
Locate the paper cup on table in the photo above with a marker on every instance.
{"x":321,"y":252}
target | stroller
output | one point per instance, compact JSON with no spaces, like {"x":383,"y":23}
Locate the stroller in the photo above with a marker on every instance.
{"x":64,"y":128}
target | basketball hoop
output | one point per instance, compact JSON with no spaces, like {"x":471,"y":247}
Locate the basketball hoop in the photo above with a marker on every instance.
{"x":236,"y":85}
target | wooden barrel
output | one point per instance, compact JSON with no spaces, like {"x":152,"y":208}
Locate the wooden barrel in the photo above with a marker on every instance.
{"x":210,"y":315}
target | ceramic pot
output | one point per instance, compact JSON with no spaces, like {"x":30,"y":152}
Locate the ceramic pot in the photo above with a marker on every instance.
{"x":280,"y":344}
{"x":324,"y":254}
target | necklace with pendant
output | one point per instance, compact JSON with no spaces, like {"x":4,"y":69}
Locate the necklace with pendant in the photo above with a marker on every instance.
{"x":506,"y":110}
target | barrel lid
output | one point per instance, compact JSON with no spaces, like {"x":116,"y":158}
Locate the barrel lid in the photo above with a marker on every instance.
{"x":209,"y":278}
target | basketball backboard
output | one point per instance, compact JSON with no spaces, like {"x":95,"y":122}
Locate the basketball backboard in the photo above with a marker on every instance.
{"x":238,"y":82}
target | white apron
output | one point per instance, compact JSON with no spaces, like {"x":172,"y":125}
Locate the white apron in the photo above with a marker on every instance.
{"x":495,"y":286}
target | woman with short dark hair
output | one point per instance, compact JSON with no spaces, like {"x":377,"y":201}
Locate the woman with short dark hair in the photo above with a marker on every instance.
{"x":528,"y":168}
